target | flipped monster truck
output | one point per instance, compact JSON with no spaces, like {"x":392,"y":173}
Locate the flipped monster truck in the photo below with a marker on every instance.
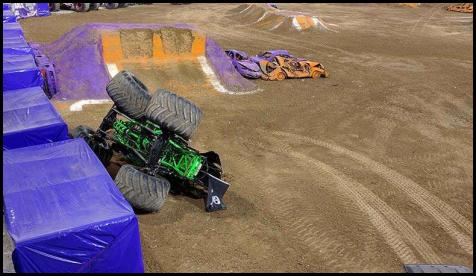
{"x":152,"y":132}
{"x":281,"y":68}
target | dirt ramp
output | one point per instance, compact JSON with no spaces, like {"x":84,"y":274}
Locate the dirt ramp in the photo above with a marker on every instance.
{"x":136,"y":43}
{"x":265,"y":17}
{"x":169,"y":56}
{"x":177,"y":41}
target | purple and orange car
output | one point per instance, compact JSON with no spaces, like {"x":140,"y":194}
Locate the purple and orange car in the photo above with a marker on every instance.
{"x":249,"y":66}
{"x":243,"y":64}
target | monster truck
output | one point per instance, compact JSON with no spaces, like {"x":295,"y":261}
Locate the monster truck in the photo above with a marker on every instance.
{"x":152,"y":133}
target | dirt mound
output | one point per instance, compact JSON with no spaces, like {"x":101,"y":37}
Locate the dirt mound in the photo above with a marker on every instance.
{"x":170,"y":56}
{"x":267,"y":18}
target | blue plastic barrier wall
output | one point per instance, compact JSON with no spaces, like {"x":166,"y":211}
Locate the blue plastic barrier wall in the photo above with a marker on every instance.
{"x":43,"y":9}
{"x":30,"y":119}
{"x":12,"y":30}
{"x":61,"y":207}
{"x":8,"y":17}
{"x":20,"y":71}
{"x":15,"y":44}
{"x":64,"y":212}
{"x":24,"y":10}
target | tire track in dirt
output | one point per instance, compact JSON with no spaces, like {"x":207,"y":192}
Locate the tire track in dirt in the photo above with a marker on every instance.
{"x":368,"y":202}
{"x":300,"y":221}
{"x":251,"y":174}
{"x":439,"y":210}
{"x":426,"y":18}
{"x":320,"y":239}
{"x":252,"y":144}
{"x":436,"y":164}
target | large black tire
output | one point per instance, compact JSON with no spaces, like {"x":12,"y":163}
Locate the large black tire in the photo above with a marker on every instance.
{"x":101,"y":149}
{"x":111,"y":6}
{"x":142,"y":191}
{"x":123,"y":5}
{"x":54,"y":6}
{"x":129,"y":94}
{"x":174,"y":113}
{"x":81,"y":7}
{"x":94,"y":6}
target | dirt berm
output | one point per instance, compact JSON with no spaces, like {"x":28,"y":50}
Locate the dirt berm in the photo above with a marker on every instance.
{"x":175,"y":56}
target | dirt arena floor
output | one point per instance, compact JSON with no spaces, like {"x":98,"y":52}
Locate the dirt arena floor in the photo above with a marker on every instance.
{"x":363,"y":171}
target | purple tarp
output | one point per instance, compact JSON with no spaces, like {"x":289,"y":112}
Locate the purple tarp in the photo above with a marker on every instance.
{"x":30,"y":119}
{"x":82,"y":74}
{"x":65,"y":214}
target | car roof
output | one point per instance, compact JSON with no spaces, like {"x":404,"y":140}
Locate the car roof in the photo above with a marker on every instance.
{"x":277,"y":52}
{"x":241,"y":53}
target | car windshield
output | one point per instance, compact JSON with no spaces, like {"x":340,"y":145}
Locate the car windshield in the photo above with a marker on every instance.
{"x":266,"y":54}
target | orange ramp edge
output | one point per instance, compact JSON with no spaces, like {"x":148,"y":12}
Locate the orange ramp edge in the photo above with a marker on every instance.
{"x":112,"y":49}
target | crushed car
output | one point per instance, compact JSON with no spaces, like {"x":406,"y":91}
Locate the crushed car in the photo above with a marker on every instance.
{"x":270,"y":55}
{"x":275,"y":65}
{"x":281,"y":68}
{"x":466,"y":7}
{"x":248,"y":66}
{"x":243,"y":64}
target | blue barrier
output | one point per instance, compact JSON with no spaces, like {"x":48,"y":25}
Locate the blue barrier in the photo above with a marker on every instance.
{"x":24,"y":10}
{"x":64,"y":212}
{"x":8,"y":16}
{"x":30,"y":119}
{"x":12,"y":29}
{"x":62,"y":209}
{"x":20,"y":71}
{"x":16,"y":45}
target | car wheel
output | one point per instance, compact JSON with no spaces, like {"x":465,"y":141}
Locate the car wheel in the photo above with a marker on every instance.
{"x":280,"y":76}
{"x":315,"y":74}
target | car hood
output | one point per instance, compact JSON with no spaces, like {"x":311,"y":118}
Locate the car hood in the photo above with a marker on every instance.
{"x":256,"y":59}
{"x":248,"y":64}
